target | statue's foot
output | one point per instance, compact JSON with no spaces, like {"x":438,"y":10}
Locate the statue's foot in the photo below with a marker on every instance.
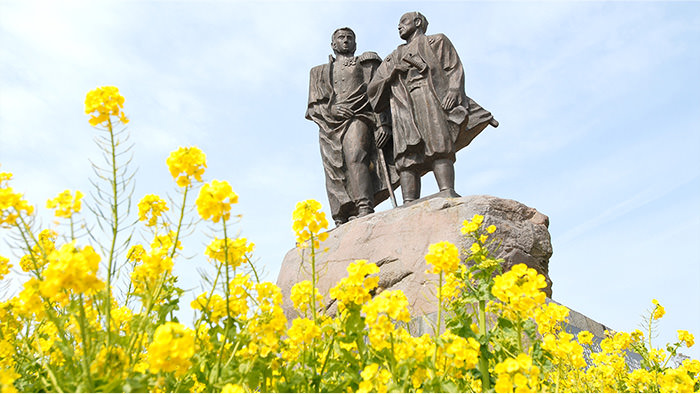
{"x":364,"y":211}
{"x":449,"y":193}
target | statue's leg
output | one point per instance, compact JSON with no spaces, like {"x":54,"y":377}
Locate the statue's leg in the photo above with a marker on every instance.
{"x":356,"y":146}
{"x":410,"y":185}
{"x":444,"y":170}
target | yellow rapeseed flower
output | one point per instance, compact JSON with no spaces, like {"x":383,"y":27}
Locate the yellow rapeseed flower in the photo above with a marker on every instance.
{"x":355,"y":288}
{"x":185,"y":164}
{"x":65,"y":204}
{"x":4,"y":267}
{"x":172,"y":349}
{"x":303,"y":332}
{"x":585,"y":338}
{"x":443,"y":256}
{"x":307,"y":221}
{"x":301,"y":296}
{"x":71,"y":269}
{"x":659,"y":310}
{"x":685,"y":336}
{"x":519,"y":290}
{"x":231,"y":251}
{"x":151,"y":207}
{"x":215,"y":200}
{"x":11,"y":204}
{"x":103,"y":102}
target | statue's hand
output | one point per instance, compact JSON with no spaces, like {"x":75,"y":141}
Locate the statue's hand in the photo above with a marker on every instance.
{"x":381,"y":136}
{"x":400,"y":67}
{"x":341,"y":111}
{"x":450,"y":99}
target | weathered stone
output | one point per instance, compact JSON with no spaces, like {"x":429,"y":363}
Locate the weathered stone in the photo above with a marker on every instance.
{"x":398,"y":239}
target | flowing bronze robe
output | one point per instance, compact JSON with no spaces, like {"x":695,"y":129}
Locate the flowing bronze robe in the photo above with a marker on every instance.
{"x":422,"y":130}
{"x":332,"y":130}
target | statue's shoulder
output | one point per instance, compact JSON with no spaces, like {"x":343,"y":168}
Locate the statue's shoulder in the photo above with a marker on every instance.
{"x":319,"y":68}
{"x":369,"y":57}
{"x":437,"y":38}
{"x":395,"y":54}
{"x":318,"y":72}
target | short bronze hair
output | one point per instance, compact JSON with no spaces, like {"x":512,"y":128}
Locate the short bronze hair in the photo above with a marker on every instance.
{"x":423,"y":21}
{"x":343,"y":29}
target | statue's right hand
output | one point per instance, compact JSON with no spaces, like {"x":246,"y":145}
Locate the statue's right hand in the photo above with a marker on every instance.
{"x":401,"y":67}
{"x":341,"y":111}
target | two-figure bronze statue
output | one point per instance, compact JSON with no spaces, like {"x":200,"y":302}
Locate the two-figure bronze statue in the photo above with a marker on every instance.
{"x":387,"y":123}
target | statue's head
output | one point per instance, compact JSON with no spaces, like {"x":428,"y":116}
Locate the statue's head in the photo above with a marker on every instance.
{"x":412,"y":23}
{"x":343,"y":41}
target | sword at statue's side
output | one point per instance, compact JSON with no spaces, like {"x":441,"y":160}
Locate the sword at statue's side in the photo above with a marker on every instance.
{"x":385,"y":172}
{"x":381,"y":160}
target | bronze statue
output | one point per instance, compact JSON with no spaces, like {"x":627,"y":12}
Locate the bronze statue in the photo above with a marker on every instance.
{"x":422,"y":82}
{"x":349,"y":130}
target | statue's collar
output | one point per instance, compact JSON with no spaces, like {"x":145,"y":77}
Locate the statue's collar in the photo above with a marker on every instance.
{"x":347,"y":62}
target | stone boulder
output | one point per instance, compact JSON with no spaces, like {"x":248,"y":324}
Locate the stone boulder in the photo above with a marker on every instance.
{"x":397,"y":241}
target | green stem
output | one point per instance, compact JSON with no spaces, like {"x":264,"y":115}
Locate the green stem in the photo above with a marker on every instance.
{"x":227,"y":285}
{"x":255,"y":272}
{"x":52,"y":377}
{"x":313,"y":277}
{"x":179,"y":222}
{"x":115,"y":230}
{"x":439,"y":318}
{"x":86,"y":343}
{"x":483,"y":362}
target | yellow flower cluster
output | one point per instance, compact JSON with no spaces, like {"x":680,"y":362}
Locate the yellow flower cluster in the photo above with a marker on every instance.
{"x":443,"y":257}
{"x":470,"y":226}
{"x":462,"y":353}
{"x":303,"y":332}
{"x":11,"y":204}
{"x":66,"y":204}
{"x":215,"y":305}
{"x":4,"y":267}
{"x":379,"y":311}
{"x":103,"y":102}
{"x":71,"y":270}
{"x":265,"y":328}
{"x":151,"y":207}
{"x":172,"y":349}
{"x":230,"y":251}
{"x":686,"y":337}
{"x":354,"y":289}
{"x":155,"y":264}
{"x":185,"y":164}
{"x":517,"y":375}
{"x":65,"y":332}
{"x":308,"y":221}
{"x":658,"y":311}
{"x":301,"y":296}
{"x":519,"y":290}
{"x":564,"y":349}
{"x":374,"y":379}
{"x":38,"y":256}
{"x":215,"y":200}
{"x":110,"y":360}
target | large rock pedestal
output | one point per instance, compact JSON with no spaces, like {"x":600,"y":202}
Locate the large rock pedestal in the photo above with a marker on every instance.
{"x":397,"y":241}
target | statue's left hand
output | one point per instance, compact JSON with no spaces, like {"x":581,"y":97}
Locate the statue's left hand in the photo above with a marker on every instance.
{"x":450,"y":99}
{"x":381,"y":136}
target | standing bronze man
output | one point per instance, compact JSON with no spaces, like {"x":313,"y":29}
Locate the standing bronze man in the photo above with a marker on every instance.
{"x":422,"y":82}
{"x":349,"y":130}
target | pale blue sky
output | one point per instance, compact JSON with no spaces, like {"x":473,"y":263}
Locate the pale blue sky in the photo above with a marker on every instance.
{"x":599,"y":104}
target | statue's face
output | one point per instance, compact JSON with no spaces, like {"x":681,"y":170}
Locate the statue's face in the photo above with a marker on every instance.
{"x":407,"y":25}
{"x":344,"y":42}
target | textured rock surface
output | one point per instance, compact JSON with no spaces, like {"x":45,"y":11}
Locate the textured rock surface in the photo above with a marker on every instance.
{"x":398,"y":239}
